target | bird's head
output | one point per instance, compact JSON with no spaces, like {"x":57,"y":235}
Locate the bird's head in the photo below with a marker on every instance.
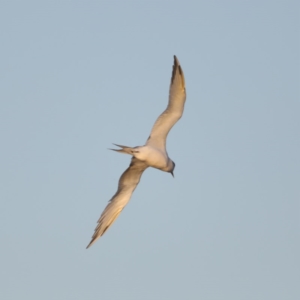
{"x":172,"y":167}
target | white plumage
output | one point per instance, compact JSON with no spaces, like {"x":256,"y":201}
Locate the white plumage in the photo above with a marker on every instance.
{"x":152,"y":154}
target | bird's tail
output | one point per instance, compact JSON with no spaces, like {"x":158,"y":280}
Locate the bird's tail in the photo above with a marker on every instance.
{"x":125,"y":149}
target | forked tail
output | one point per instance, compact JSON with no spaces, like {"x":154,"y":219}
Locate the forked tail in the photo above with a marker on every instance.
{"x":125,"y":149}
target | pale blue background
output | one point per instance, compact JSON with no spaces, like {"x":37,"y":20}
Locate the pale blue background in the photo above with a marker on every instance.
{"x":79,"y":75}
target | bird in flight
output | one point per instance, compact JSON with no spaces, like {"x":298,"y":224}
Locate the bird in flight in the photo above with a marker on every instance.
{"x":152,"y":154}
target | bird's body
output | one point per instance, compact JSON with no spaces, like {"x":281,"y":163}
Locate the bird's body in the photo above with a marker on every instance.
{"x":152,"y":154}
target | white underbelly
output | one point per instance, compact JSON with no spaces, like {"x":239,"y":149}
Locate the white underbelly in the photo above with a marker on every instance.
{"x":153,"y":157}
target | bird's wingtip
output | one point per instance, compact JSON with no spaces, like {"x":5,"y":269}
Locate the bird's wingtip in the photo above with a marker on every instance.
{"x":176,"y":66}
{"x":90,"y":244}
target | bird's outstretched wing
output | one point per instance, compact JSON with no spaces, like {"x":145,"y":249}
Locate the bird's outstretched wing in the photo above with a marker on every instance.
{"x":127,"y":184}
{"x":174,"y":110}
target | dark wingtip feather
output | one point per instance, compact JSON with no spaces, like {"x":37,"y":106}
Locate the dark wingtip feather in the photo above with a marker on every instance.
{"x":175,"y":65}
{"x":89,"y":244}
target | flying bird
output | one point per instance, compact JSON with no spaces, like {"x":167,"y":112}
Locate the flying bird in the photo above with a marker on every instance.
{"x":152,"y":154}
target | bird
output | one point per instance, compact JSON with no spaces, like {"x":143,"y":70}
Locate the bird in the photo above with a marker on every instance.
{"x":152,"y":154}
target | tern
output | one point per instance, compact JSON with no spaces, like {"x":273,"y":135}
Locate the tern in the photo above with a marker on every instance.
{"x":152,"y":154}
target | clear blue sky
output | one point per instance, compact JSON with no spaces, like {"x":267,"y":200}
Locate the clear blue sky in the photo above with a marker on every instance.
{"x":77,"y":76}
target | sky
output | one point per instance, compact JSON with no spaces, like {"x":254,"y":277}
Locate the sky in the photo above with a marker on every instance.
{"x":77,"y":76}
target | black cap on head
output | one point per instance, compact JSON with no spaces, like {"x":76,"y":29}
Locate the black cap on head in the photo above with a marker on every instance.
{"x":173,"y":169}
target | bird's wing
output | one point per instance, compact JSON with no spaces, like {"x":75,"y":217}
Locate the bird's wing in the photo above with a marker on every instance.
{"x":127,"y":184}
{"x":174,"y":110}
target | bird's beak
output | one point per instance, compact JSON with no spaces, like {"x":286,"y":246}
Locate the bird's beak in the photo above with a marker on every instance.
{"x":172,"y":173}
